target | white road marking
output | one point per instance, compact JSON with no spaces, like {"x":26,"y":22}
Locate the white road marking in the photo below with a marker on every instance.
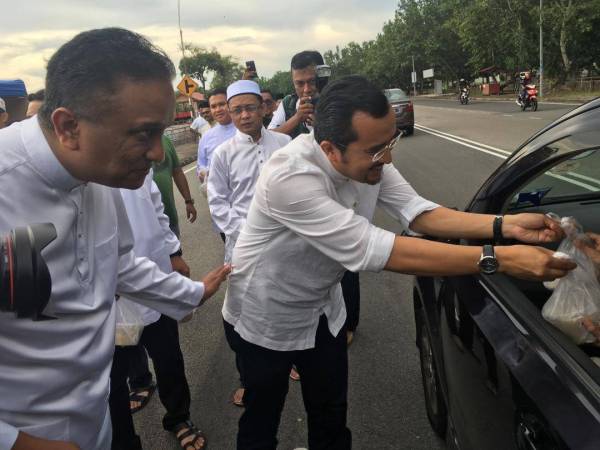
{"x":535,"y":118}
{"x":584,"y":177}
{"x":503,"y":154}
{"x":508,"y":115}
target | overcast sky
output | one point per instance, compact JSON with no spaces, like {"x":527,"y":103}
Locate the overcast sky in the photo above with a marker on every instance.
{"x":269,"y":32}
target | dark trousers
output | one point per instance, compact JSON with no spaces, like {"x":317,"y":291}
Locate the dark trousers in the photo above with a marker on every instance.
{"x":351,"y":291}
{"x":161,"y":340}
{"x":139,"y":372}
{"x":324,"y":380}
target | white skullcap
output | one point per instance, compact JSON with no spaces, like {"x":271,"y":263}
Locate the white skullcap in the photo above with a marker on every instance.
{"x":242,"y":87}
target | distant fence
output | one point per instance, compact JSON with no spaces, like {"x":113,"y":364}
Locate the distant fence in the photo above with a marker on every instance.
{"x":180,"y":134}
{"x":588,"y":83}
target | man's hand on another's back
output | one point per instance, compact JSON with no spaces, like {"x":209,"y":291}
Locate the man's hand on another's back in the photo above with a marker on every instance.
{"x":213,"y":279}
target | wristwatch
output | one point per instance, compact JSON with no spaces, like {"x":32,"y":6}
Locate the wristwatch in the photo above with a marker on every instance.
{"x":189,"y":201}
{"x":497,"y":228}
{"x":488,"y":264}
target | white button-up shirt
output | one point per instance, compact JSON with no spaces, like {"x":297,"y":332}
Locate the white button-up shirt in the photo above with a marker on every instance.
{"x":234,"y":169}
{"x":200,"y":125}
{"x":54,"y":374}
{"x":152,"y":234}
{"x":301,"y":233}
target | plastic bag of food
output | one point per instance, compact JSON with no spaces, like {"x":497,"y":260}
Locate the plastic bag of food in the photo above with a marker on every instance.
{"x":129,"y":324}
{"x":576,"y":295}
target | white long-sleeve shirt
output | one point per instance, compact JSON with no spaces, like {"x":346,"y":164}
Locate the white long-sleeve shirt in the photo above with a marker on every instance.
{"x":54,"y":375}
{"x":152,"y":234}
{"x":301,"y":233}
{"x":234,"y":169}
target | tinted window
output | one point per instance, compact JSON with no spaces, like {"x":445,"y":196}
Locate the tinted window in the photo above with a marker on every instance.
{"x":395,"y":95}
{"x":575,"y":177}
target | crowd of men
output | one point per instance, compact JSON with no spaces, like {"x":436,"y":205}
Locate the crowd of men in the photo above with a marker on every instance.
{"x":291,"y":191}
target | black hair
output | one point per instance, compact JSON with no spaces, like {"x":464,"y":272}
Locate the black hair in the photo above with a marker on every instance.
{"x":306,"y":59}
{"x":36,"y":96}
{"x":217,"y":91}
{"x":86,"y":70}
{"x":203,"y":104}
{"x":267,"y":91}
{"x":339,"y":101}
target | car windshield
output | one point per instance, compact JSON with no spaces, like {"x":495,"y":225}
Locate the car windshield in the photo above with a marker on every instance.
{"x":395,"y":95}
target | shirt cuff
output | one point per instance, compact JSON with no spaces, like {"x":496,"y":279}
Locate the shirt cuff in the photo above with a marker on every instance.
{"x":8,"y":436}
{"x":381,"y":243}
{"x":414,"y":209}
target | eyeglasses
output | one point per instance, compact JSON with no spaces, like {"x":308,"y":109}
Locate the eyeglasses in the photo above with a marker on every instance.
{"x":247,"y":108}
{"x":388,"y":147}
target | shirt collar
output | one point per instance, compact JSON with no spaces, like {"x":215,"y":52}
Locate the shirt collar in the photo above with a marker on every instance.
{"x":323,"y":161}
{"x":247,"y":139}
{"x":42,"y":157}
{"x":227,"y":127}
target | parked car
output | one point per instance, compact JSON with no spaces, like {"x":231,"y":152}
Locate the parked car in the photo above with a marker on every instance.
{"x":495,"y":374}
{"x":403,"y":108}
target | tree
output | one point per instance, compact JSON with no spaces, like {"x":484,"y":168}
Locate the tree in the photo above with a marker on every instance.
{"x":280,"y":83}
{"x":203,"y":64}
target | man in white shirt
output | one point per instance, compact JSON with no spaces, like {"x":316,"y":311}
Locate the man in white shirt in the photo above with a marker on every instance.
{"x":200,"y":125}
{"x":155,"y":240}
{"x":283,"y":304}
{"x":60,"y":167}
{"x":237,"y":162}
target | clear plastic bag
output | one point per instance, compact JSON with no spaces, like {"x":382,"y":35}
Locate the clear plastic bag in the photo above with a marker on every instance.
{"x":577,"y":295}
{"x":129,"y":324}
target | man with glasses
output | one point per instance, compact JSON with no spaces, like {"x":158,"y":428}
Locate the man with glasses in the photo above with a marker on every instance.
{"x":284,"y":305}
{"x":235,"y":167}
{"x":295,"y":113}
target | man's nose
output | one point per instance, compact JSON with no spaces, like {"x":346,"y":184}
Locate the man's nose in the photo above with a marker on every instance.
{"x":156,"y":152}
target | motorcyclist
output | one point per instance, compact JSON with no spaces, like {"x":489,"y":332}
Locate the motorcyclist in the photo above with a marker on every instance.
{"x":526,"y":78}
{"x":463,"y":84}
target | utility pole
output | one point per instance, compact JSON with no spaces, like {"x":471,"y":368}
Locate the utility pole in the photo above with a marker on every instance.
{"x":541,"y":51}
{"x":413,"y":77}
{"x":185,"y":68}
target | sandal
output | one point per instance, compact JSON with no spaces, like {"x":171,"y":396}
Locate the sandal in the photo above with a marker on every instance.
{"x":238,"y":397}
{"x":141,"y":396}
{"x":186,"y":430}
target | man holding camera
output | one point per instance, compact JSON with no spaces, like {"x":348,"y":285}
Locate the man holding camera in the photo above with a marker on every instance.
{"x":61,"y":167}
{"x":295,"y":113}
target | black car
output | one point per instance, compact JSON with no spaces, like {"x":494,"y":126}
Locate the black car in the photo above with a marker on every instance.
{"x":496,"y":375}
{"x":403,"y":109}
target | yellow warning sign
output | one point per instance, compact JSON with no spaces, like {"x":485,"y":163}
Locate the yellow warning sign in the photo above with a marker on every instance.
{"x":187,"y":86}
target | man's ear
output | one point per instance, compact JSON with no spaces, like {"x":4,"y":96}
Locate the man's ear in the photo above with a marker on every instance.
{"x":66,"y":128}
{"x":332,"y":153}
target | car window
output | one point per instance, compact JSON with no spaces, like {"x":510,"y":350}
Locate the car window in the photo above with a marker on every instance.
{"x":395,"y":95}
{"x":578,"y":176}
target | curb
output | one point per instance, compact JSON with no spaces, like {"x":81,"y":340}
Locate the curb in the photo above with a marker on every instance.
{"x":449,"y":97}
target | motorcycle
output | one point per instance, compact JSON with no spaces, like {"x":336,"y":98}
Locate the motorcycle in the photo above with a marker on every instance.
{"x":530,"y":98}
{"x":464,"y":96}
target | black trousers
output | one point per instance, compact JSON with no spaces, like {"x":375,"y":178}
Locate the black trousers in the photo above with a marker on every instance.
{"x":139,"y":373}
{"x":324,"y":380}
{"x":351,"y":290}
{"x":161,"y":340}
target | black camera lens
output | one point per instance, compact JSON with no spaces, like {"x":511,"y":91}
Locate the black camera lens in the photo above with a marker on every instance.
{"x":25,"y":283}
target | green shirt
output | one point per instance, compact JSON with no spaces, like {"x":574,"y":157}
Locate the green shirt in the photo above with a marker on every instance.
{"x":163,"y":177}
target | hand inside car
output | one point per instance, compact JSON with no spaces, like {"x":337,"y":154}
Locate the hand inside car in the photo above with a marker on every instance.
{"x":591,"y":248}
{"x":532,"y":228}
{"x":532,"y":263}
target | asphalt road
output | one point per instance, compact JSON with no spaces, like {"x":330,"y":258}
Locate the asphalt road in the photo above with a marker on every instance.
{"x":454,"y":149}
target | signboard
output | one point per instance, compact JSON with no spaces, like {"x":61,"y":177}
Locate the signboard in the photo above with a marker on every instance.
{"x":413,"y":77}
{"x":187,"y":86}
{"x":428,"y":73}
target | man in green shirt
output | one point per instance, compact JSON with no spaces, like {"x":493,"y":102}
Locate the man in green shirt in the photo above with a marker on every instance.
{"x":164,"y":175}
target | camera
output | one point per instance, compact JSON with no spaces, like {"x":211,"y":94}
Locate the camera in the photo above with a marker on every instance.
{"x":323,"y":73}
{"x":25,"y":282}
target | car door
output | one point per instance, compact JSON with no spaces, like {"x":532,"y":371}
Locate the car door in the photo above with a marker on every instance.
{"x":513,"y":380}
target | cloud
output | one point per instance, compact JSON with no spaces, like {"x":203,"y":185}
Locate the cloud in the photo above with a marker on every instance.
{"x":265,"y":31}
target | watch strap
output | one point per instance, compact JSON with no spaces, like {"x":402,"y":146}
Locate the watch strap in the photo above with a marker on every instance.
{"x":497,"y":229}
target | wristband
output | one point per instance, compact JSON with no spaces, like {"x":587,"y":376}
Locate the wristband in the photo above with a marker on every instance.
{"x":497,"y":229}
{"x":177,"y":253}
{"x":189,"y":201}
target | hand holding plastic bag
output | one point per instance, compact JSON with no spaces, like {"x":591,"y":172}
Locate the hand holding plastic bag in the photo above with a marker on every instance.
{"x":577,"y":295}
{"x":129,"y":324}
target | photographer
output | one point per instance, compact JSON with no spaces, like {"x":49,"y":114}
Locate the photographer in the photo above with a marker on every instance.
{"x":295,"y":114}
{"x":107,"y":102}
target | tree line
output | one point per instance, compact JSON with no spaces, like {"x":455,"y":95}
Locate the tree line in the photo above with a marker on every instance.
{"x":457,"y":38}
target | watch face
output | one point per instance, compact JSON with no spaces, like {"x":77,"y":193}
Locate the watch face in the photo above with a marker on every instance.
{"x":488,"y":265}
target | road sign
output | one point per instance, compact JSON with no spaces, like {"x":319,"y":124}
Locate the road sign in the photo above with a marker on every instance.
{"x":428,"y":73}
{"x":187,"y":86}
{"x":413,"y":77}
